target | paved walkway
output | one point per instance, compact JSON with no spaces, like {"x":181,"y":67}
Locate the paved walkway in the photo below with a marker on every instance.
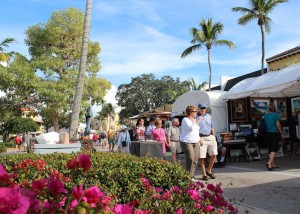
{"x":259,"y":191}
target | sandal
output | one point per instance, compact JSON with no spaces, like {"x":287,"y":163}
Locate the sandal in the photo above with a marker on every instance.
{"x":211,"y":175}
{"x":269,"y":167}
{"x":275,"y":167}
{"x":204,"y":177}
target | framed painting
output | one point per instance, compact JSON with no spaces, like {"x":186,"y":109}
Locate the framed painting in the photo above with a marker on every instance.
{"x":239,"y":110}
{"x":295,"y":107}
{"x":280,"y":104}
{"x":253,"y":152}
{"x":286,"y":132}
{"x":259,"y":106}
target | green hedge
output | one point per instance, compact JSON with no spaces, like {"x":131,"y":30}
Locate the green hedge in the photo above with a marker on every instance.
{"x":115,"y":173}
{"x":3,"y":148}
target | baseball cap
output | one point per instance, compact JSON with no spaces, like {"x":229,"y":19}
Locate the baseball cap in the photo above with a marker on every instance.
{"x":201,"y":105}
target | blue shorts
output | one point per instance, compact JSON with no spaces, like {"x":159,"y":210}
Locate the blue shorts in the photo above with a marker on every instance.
{"x":111,"y":141}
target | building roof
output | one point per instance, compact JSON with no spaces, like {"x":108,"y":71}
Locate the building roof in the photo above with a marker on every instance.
{"x":284,"y":54}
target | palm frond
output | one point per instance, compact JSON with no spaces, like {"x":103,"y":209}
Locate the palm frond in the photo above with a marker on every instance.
{"x":242,"y":10}
{"x":190,"y":49}
{"x":5,"y":43}
{"x":267,"y":24}
{"x":227,"y":43}
{"x":247,"y":18}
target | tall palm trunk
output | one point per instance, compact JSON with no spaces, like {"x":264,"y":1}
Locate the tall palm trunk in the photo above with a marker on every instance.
{"x":209,"y":66}
{"x":55,"y":118}
{"x":262,"y":49}
{"x":82,"y":69}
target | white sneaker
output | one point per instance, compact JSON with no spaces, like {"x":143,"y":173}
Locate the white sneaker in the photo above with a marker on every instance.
{"x":194,"y":180}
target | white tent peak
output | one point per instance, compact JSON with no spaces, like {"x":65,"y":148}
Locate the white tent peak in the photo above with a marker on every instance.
{"x":282,"y":83}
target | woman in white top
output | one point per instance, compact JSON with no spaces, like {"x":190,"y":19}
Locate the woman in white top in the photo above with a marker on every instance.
{"x":124,"y":141}
{"x":189,"y":139}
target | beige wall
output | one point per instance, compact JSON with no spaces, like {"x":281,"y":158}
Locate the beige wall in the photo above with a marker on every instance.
{"x":284,"y":62}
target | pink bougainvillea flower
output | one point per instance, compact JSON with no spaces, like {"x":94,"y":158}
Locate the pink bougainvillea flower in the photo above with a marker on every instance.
{"x":12,"y":201}
{"x":122,"y":209}
{"x":39,"y":185}
{"x":179,"y":211}
{"x":77,"y":192}
{"x":194,"y":194}
{"x":72,"y":164}
{"x":84,"y":162}
{"x":93,"y":194}
{"x":73,"y":204}
{"x":55,"y":186}
{"x":208,"y":208}
{"x":3,"y":172}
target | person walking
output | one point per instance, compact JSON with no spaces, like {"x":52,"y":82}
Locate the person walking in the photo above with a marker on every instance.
{"x":124,"y":141}
{"x":273,"y":130}
{"x":149,"y":129}
{"x":158,"y":134}
{"x":208,"y":144}
{"x":173,"y":139}
{"x":111,"y":140}
{"x":140,"y":130}
{"x":189,"y":140}
{"x":18,"y":141}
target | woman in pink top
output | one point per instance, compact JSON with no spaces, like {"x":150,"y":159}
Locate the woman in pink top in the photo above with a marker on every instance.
{"x":158,"y":134}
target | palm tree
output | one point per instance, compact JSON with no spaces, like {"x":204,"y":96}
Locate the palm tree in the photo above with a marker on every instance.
{"x":259,"y":9}
{"x":5,"y":44}
{"x":82,"y":69}
{"x":207,"y":35}
{"x":194,"y":86}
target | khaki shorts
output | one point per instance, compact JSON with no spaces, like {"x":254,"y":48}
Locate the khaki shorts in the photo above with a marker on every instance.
{"x":176,"y":148}
{"x":209,"y":146}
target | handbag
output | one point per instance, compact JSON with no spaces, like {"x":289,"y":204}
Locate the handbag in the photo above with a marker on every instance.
{"x":124,"y":143}
{"x":262,"y":126}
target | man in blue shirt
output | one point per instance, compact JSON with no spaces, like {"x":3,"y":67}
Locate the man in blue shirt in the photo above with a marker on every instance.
{"x":208,"y":143}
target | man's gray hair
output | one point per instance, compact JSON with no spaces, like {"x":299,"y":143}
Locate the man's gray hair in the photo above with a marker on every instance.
{"x":174,"y":120}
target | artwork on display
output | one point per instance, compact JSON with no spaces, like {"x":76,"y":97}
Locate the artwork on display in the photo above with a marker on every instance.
{"x":233,"y":127}
{"x":286,"y":132}
{"x":280,"y":104}
{"x":253,"y":152}
{"x":279,"y":153}
{"x":296,"y":107}
{"x":239,"y":110}
{"x":259,"y":106}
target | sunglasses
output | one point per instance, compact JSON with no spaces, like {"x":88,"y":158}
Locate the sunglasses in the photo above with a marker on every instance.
{"x":203,"y":108}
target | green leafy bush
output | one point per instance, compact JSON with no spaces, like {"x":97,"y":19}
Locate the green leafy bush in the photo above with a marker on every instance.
{"x":3,"y":148}
{"x":115,"y":173}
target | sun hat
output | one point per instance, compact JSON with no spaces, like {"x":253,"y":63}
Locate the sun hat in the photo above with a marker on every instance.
{"x":122,"y":128}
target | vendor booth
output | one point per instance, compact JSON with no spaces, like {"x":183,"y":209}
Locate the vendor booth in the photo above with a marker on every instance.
{"x":212,"y":101}
{"x":249,"y":99}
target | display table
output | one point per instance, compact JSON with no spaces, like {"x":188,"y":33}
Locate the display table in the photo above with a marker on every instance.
{"x":235,"y":148}
{"x":152,"y":149}
{"x":51,"y":148}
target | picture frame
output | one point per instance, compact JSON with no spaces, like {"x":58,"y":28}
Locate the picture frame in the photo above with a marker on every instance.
{"x":233,"y":127}
{"x":259,"y":106}
{"x":281,"y":108}
{"x":253,"y":152}
{"x":286,"y":132}
{"x":295,"y":103}
{"x":239,"y":110}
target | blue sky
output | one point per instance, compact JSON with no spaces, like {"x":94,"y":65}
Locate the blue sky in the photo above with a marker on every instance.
{"x":143,"y":36}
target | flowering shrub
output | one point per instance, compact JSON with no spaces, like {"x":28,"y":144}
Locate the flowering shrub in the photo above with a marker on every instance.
{"x":51,"y":191}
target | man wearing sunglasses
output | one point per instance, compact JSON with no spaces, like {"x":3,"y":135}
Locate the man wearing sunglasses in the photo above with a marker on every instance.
{"x":208,"y":143}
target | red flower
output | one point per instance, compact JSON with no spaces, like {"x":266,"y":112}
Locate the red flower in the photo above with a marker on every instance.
{"x":84,"y":162}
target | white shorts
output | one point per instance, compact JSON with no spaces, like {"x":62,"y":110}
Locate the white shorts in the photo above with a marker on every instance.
{"x":209,"y":146}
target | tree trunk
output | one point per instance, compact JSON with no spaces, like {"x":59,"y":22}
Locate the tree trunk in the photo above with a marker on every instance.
{"x":55,"y":120}
{"x":262,"y":49}
{"x":209,"y":66}
{"x":82,"y":69}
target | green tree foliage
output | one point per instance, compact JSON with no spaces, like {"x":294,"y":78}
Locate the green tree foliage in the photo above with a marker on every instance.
{"x":145,"y":92}
{"x":19,"y":125}
{"x":207,"y":35}
{"x":259,"y":10}
{"x":55,"y":49}
{"x":19,"y":83}
{"x":195,"y":86}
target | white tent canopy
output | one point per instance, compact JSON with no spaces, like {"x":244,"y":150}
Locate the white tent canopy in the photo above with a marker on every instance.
{"x":211,"y":99}
{"x":282,"y":83}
